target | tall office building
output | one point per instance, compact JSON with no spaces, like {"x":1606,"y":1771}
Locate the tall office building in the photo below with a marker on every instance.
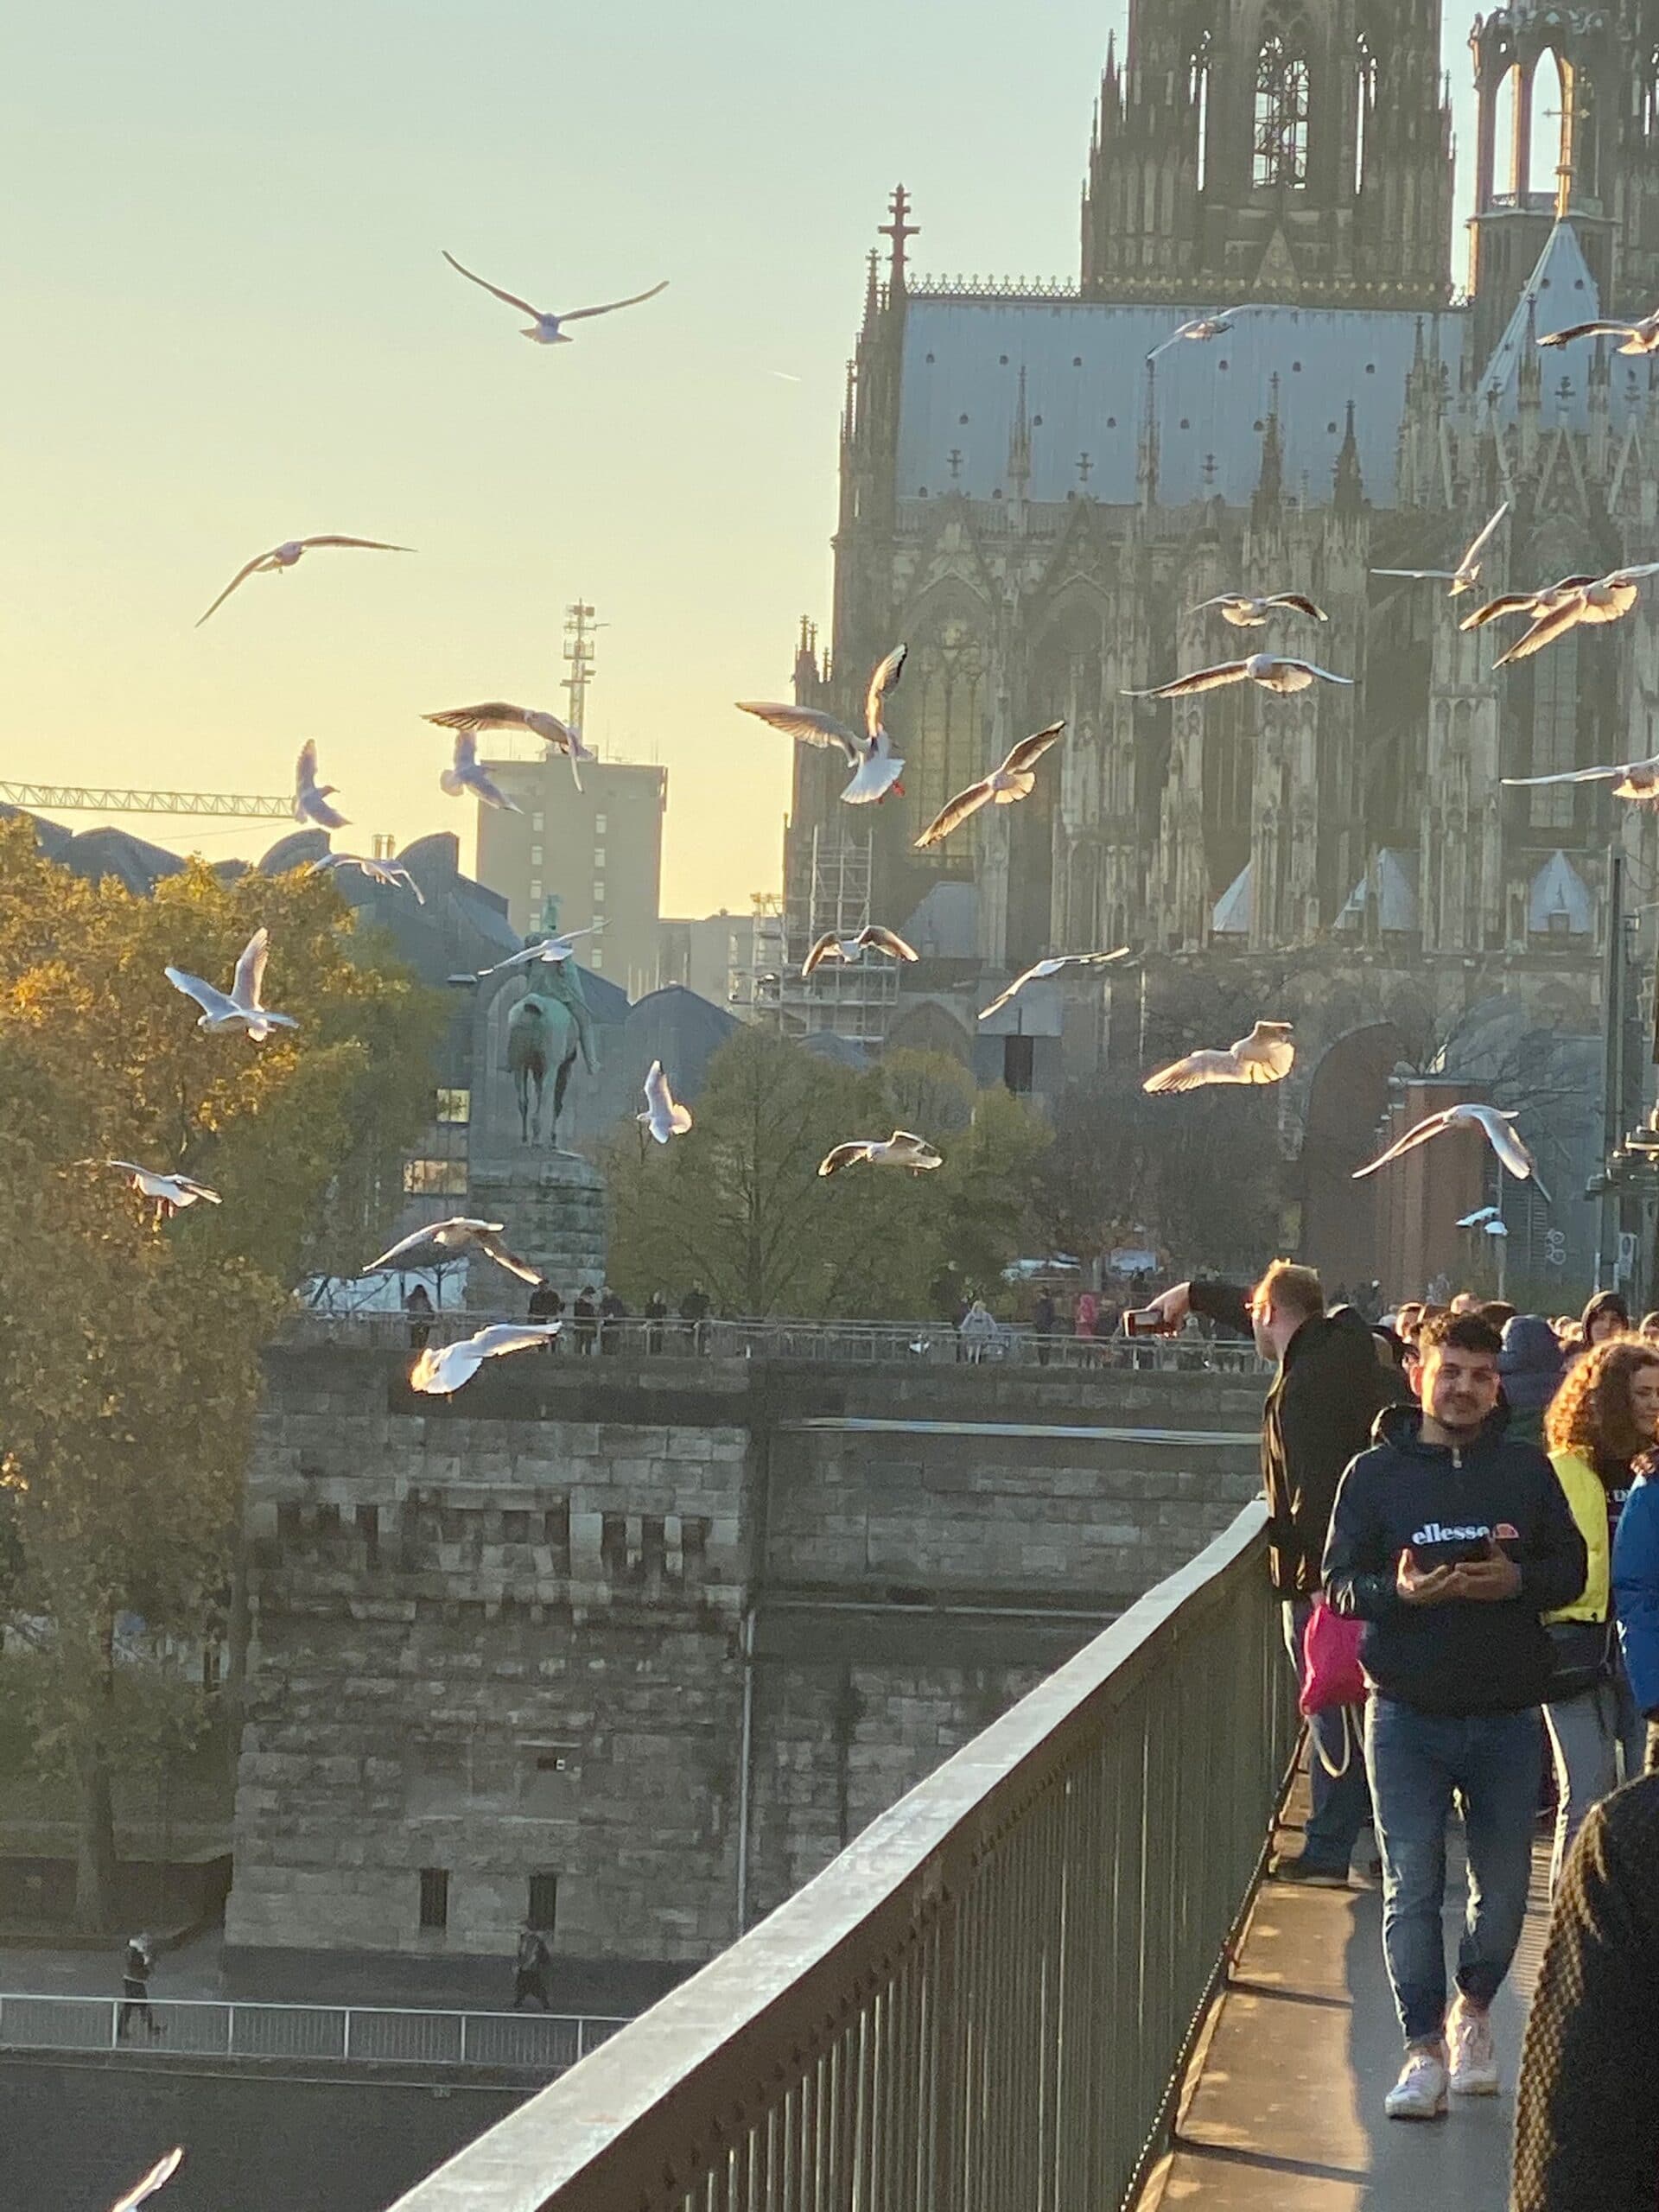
{"x":574,"y":857}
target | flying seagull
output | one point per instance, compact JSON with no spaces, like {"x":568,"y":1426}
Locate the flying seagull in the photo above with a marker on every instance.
{"x":1604,"y":600}
{"x":1632,"y":780}
{"x":551,"y":951}
{"x":1492,"y":1124}
{"x":240,"y":1013}
{"x":876,"y":772}
{"x":1202,"y":328}
{"x":872,"y":938}
{"x":497,"y":713}
{"x":1270,"y":671}
{"x":1013,"y":779}
{"x":663,"y":1116}
{"x":310,"y":797}
{"x":1265,"y":1056}
{"x":283,"y":556}
{"x":546,"y":329}
{"x":443,"y":1240}
{"x":1245,"y":612}
{"x":1534,"y":603}
{"x":157,"y":2178}
{"x":901,"y":1149}
{"x":170,"y":1193}
{"x":390,"y":874}
{"x":1044,"y":969}
{"x":1641,"y":337}
{"x":1462,"y":577}
{"x":439,"y":1370}
{"x":466,"y":775}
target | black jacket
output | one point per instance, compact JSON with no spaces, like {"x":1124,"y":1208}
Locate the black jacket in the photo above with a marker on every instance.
{"x":1462,"y":1657}
{"x":1586,"y":2122}
{"x":1328,"y":1391}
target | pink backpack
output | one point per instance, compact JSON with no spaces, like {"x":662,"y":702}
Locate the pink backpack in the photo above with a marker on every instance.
{"x":1330,"y":1668}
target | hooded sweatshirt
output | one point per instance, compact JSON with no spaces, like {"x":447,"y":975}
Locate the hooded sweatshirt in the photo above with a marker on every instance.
{"x":1442,"y":1501}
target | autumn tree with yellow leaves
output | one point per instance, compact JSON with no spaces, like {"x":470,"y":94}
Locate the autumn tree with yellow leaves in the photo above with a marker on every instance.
{"x":129,"y":1347}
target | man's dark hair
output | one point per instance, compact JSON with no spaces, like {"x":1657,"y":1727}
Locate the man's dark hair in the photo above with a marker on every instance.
{"x":1498,"y":1311}
{"x":1463,"y":1331}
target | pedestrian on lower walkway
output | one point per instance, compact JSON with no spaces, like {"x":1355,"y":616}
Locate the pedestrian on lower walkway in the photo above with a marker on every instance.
{"x":1452,"y":1542}
{"x":135,"y":1969}
{"x":529,"y":1969}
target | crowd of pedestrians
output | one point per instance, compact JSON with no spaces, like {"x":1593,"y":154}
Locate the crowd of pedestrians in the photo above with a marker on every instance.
{"x":1463,"y":1506}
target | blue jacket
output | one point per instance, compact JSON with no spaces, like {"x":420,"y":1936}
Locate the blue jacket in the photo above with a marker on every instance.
{"x":1463,"y":1657}
{"x":1636,"y":1592}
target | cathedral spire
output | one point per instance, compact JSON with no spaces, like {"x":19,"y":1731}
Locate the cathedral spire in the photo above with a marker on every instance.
{"x":1147,"y":458}
{"x":1019,"y":444}
{"x":1350,"y":481}
{"x":1270,"y":481}
{"x":900,"y":231}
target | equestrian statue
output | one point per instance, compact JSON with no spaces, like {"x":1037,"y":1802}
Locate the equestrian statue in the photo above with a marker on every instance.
{"x":548,"y":1028}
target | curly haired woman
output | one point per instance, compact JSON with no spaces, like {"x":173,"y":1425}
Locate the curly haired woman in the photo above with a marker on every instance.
{"x":1605,"y":1418}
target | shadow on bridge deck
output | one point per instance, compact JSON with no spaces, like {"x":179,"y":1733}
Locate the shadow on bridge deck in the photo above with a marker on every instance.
{"x":1282,"y":2107}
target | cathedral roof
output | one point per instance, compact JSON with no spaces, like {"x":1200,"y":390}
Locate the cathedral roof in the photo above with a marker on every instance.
{"x":1560,"y":290}
{"x":1396,"y":895}
{"x":1230,"y":916}
{"x":1085,"y":377}
{"x":1558,"y":889}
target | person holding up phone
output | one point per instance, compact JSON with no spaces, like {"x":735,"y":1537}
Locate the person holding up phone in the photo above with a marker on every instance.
{"x":1452,"y":1540}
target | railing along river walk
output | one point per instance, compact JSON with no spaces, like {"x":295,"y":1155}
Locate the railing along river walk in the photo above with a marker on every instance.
{"x":983,"y":2003}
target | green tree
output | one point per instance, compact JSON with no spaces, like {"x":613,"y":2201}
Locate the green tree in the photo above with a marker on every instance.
{"x":130,"y":1349}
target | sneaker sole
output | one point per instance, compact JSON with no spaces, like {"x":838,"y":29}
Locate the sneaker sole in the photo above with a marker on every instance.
{"x":1482,"y":2087}
{"x":1439,"y":2112}
{"x":1322,"y":1880}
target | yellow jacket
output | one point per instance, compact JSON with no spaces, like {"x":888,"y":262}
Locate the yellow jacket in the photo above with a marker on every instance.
{"x":1588,"y":1500}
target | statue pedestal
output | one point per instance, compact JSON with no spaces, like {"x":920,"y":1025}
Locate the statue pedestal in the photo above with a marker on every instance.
{"x":553,"y":1206}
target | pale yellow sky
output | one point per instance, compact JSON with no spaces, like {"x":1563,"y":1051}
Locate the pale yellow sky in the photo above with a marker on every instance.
{"x":227,"y":323}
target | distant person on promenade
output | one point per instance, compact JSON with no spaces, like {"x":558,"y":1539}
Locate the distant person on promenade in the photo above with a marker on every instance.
{"x":584,"y":1315}
{"x":611,"y":1313}
{"x":1084,"y":1321}
{"x":530,"y":1968}
{"x":656,"y":1315}
{"x":1452,"y":1542}
{"x":546,"y":1305}
{"x":1042,"y":1324}
{"x":694,"y":1311}
{"x":1586,"y":2120}
{"x":1329,"y":1387}
{"x":977,"y":1331}
{"x":418,"y":1308}
{"x":135,"y":1969}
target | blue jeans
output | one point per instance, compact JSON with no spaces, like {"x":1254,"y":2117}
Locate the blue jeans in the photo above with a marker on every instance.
{"x":1587,"y":1732}
{"x":1342,"y":1802}
{"x":1493,"y":1761}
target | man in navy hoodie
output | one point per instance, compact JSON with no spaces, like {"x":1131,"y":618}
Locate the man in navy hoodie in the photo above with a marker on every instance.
{"x":1451,"y":1540}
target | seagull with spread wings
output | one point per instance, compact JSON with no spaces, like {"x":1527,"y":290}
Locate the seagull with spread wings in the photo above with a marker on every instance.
{"x":241,"y":1014}
{"x":499,"y":714}
{"x":283,"y":557}
{"x":902,"y":1149}
{"x":548,"y":329}
{"x":1203,"y":327}
{"x":1495,"y":1126}
{"x":1267,"y":1055}
{"x":1640,"y":337}
{"x":664,"y":1116}
{"x":1534,"y":603}
{"x":1013,"y":778}
{"x":1271,"y":671}
{"x":872,"y":938}
{"x":440,"y":1370}
{"x":552,"y":951}
{"x":391,"y":875}
{"x":310,"y":797}
{"x":443,"y":1240}
{"x":464,"y":774}
{"x":1606,"y":599}
{"x":1244,"y":612}
{"x":1044,"y":969}
{"x":875,"y":770}
{"x":170,"y":1193}
{"x":1631,"y":779}
{"x":1462,"y":577}
{"x":157,"y":2178}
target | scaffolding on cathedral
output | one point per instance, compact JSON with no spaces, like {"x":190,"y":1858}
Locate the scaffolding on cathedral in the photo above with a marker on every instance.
{"x":828,"y":894}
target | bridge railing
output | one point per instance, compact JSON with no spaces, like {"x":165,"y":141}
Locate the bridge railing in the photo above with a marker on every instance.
{"x":984,"y":2001}
{"x":537,"y":2042}
{"x":856,"y":1343}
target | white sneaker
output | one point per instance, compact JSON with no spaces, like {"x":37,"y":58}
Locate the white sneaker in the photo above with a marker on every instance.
{"x":1474,"y":2058}
{"x":1419,"y":2094}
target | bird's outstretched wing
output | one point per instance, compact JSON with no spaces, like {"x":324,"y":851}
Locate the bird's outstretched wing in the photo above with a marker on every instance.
{"x":889,"y":941}
{"x":1553,"y":623}
{"x":241,"y":577}
{"x":809,"y":724}
{"x":1409,"y":1142}
{"x":1479,"y":543}
{"x":1312,"y":668}
{"x":884,"y":679}
{"x":953,"y":814}
{"x":387,"y":1262}
{"x":843,"y":1155}
{"x":1193,"y":1071}
{"x":1587,"y":330}
{"x":1301,"y":603}
{"x":821,"y":951}
{"x":157,"y":2178}
{"x":492,"y":714}
{"x":1573,"y":776}
{"x":487,"y":1241}
{"x":251,"y":970}
{"x":1030,"y":750}
{"x":1507,"y":602}
{"x":512,"y":298}
{"x":1420,"y":575}
{"x":1201,"y":679}
{"x":1632,"y":575}
{"x":305,"y":768}
{"x":207,"y":996}
{"x":581,"y":314}
{"x":1500,"y":1135}
{"x":369,"y":544}
{"x":1264,"y":1060}
{"x":1012,"y":992}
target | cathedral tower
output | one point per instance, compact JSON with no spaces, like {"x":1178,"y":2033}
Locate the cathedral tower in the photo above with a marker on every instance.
{"x":1272,"y":150}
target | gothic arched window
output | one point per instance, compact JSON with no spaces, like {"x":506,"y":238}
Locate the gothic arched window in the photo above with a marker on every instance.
{"x":1280,"y":138}
{"x":1198,"y":101}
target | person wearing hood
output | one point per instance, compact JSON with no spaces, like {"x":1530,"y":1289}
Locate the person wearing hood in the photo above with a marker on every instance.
{"x":1451,"y":1540}
{"x":1327,"y":1390}
{"x":1530,"y":1368}
{"x":1607,"y":1315}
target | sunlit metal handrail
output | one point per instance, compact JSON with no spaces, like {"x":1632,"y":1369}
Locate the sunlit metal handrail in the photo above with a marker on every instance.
{"x":210,"y":2027}
{"x":983,"y":2002}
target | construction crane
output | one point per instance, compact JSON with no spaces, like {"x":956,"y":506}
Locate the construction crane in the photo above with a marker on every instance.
{"x":107,"y":798}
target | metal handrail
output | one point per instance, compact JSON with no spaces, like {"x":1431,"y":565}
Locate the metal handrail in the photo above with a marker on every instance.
{"x":222,"y":2027}
{"x":984,"y":2001}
